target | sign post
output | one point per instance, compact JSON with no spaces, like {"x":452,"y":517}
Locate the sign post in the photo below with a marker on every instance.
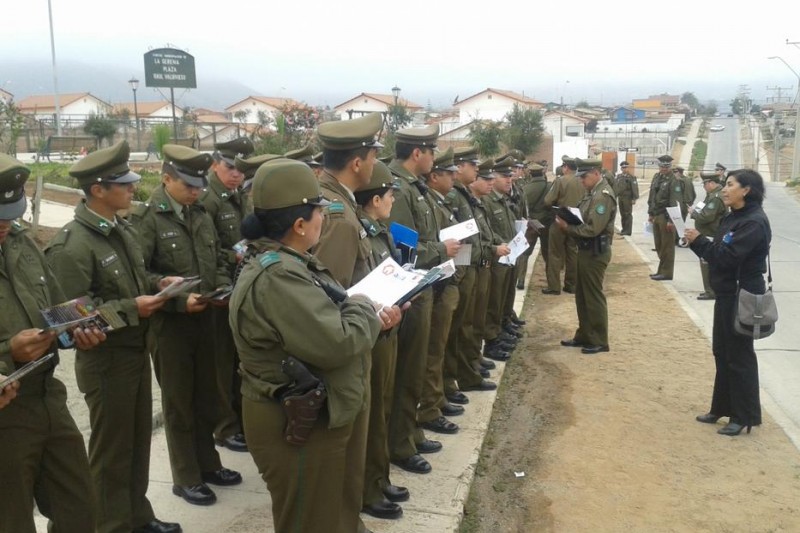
{"x":170,"y":67}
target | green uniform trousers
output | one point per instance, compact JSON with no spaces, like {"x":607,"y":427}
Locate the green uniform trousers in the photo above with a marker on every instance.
{"x":117,"y":389}
{"x":445,"y":302}
{"x":665,"y":245}
{"x":706,"y":280}
{"x":562,"y":253}
{"x":625,"y":206}
{"x":228,"y":380}
{"x":308,"y":485}
{"x":522,"y":261}
{"x":412,"y":348}
{"x":43,"y":459}
{"x":501,"y":277}
{"x":376,"y":470}
{"x":511,"y":295}
{"x":457,"y":367}
{"x":590,"y":302}
{"x":483,"y":283}
{"x":182,"y":346}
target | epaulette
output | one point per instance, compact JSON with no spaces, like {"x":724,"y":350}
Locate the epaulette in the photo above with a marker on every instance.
{"x":336,"y":207}
{"x":269,"y":258}
{"x":370,"y":227}
{"x":606,"y":191}
{"x":140,"y":210}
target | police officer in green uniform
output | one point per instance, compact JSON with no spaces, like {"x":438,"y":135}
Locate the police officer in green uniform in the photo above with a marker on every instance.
{"x":706,"y":220}
{"x":667,"y":190}
{"x":42,"y":455}
{"x":97,"y":255}
{"x":286,"y":303}
{"x":562,"y":250}
{"x":248,"y":166}
{"x":534,"y":188}
{"x":464,"y":367}
{"x":380,"y":497}
{"x":430,"y":413}
{"x":626,"y":187}
{"x":178,"y":238}
{"x":594,"y":237}
{"x":689,"y":194}
{"x":226,"y":204}
{"x":415,"y":154}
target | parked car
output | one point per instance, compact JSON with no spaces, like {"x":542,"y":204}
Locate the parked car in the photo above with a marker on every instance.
{"x":717,"y":127}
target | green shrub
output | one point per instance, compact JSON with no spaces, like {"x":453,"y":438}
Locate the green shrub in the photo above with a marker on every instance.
{"x":161,"y":136}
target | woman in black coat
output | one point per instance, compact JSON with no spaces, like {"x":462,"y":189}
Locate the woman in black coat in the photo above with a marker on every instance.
{"x":736,"y":258}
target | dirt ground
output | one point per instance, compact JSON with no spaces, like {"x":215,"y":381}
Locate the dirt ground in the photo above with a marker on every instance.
{"x":609,"y":442}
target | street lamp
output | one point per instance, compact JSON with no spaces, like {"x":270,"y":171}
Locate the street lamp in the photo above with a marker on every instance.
{"x":796,"y":156}
{"x":396,"y":94}
{"x":134,"y":83}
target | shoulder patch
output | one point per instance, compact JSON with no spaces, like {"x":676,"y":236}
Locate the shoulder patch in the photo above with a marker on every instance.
{"x":269,"y":258}
{"x":336,"y":207}
{"x":710,"y":204}
{"x":678,"y":188}
{"x":600,"y":209}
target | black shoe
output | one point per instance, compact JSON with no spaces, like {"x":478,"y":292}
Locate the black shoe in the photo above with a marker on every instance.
{"x":506,"y":337}
{"x":708,"y":418}
{"x":487,"y":364}
{"x":223,"y":477}
{"x":572,"y":343}
{"x":550,"y":291}
{"x":196,"y":494}
{"x":484,"y":372}
{"x":458,"y":397}
{"x":483,"y":385}
{"x":592,"y":349}
{"x":414,"y":464}
{"x":513,"y":331}
{"x":429,"y":446}
{"x":396,"y":494}
{"x":569,"y":290}
{"x":440,"y":425}
{"x":706,"y":296}
{"x":518,"y":321}
{"x":659,"y":277}
{"x":520,"y":285}
{"x":653,"y":250}
{"x":732,"y":429}
{"x":497,"y":355}
{"x":383,"y":509}
{"x":449,"y":409}
{"x":157,"y":526}
{"x":234,"y":443}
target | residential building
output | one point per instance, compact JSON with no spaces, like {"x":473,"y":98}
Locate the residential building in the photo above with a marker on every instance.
{"x":76,"y":108}
{"x":366,"y":103}
{"x":253,"y":108}
{"x":492,"y":104}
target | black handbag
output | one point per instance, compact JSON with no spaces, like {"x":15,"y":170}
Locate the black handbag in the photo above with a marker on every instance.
{"x":756,"y":314}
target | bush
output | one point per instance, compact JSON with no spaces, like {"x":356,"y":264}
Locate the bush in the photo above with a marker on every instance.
{"x":699,"y":152}
{"x":161,"y":136}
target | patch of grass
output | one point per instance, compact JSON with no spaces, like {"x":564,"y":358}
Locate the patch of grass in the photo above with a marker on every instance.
{"x":699,"y":152}
{"x":58,"y":174}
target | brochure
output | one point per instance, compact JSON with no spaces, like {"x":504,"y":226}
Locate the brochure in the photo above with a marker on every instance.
{"x":80,"y":312}
{"x":517,"y":245}
{"x":570,"y":215}
{"x":460,"y":231}
{"x":180,"y":286}
{"x":389,"y":284}
{"x":25,"y":369}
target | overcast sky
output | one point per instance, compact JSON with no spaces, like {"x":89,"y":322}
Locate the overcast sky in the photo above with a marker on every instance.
{"x":324,"y":51}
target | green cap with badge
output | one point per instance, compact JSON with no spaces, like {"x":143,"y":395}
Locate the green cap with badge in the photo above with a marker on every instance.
{"x":304,"y":154}
{"x":109,"y":165}
{"x":249,"y":166}
{"x":467,"y":154}
{"x":425,"y":136}
{"x":535,"y":169}
{"x":13,"y":175}
{"x":382,"y":178}
{"x":587,"y":165}
{"x":505,"y":166}
{"x":709,"y":176}
{"x":485,"y":169}
{"x":720,"y":166}
{"x":665,"y":161}
{"x":360,"y":132}
{"x":285,"y":183}
{"x":187,"y":164}
{"x":230,"y":150}
{"x":444,"y":162}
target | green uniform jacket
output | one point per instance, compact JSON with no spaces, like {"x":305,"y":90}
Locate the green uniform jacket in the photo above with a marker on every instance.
{"x":298,"y":318}
{"x":227,"y":209}
{"x":343,"y":245}
{"x":626,"y":186}
{"x":535,"y":189}
{"x":598,"y":209}
{"x":707,"y":220}
{"x":566,"y":191}
{"x":517,"y":201}
{"x":667,"y":191}
{"x":489,"y":238}
{"x":380,"y":240}
{"x":92,"y":258}
{"x":27,"y":284}
{"x":174,"y":247}
{"x":501,"y":217}
{"x":462,"y":203}
{"x":689,"y":194}
{"x":412,"y":210}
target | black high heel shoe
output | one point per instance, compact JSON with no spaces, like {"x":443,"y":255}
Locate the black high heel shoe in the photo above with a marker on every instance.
{"x":708,"y":418}
{"x":732,"y":429}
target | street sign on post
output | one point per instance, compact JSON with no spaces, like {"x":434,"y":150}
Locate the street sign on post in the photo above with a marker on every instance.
{"x":169,"y":67}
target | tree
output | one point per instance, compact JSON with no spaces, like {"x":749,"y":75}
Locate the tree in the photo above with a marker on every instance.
{"x":591,"y":126}
{"x":582,"y":103}
{"x":523,"y":129}
{"x":691,"y":100}
{"x":485,"y":134}
{"x":11,"y":123}
{"x":294,"y":127}
{"x":101,"y":127}
{"x":397,"y":117}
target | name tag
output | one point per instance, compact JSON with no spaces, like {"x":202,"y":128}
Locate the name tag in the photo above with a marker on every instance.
{"x":227,"y":216}
{"x":169,"y":234}
{"x":108,"y":260}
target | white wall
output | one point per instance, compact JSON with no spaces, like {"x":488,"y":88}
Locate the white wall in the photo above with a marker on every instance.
{"x":360,"y":107}
{"x":555,"y":123}
{"x":485,"y":108}
{"x":252,"y":107}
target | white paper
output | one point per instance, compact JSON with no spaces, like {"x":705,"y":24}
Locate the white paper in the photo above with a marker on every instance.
{"x":677,"y":219}
{"x":448,"y":269}
{"x":181,"y":286}
{"x":461,"y":231}
{"x":699,"y":205}
{"x":517,"y":245}
{"x":648,"y":227}
{"x":464,"y":255}
{"x":387,"y":283}
{"x":577,"y":212}
{"x":520,"y":225}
